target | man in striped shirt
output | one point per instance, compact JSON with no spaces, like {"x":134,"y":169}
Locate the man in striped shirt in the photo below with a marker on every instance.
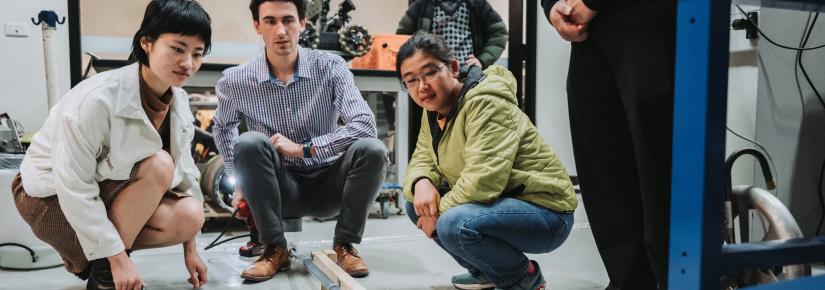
{"x":295,"y":160}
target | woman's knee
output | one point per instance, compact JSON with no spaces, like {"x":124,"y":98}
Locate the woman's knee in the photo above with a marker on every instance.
{"x":189,"y":216}
{"x":159,"y":168}
{"x":451,"y":223}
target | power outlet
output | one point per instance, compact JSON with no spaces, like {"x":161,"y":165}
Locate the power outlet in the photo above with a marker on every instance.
{"x":17,"y":30}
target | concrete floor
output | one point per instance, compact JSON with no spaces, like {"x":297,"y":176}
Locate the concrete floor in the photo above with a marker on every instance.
{"x":399,"y":256}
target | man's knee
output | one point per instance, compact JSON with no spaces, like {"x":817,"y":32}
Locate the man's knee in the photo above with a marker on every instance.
{"x":371,"y":149}
{"x":251,"y":144}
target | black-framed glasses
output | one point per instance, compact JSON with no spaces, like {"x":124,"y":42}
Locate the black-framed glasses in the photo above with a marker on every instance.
{"x":425,"y":77}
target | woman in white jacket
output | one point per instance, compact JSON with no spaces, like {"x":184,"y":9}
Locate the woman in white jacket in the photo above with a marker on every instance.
{"x":111,"y":170}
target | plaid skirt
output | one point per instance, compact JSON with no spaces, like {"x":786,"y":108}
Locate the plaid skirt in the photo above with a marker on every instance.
{"x":49,"y":224}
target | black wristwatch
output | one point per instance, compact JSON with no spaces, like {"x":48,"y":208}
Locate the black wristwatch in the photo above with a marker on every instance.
{"x":307,"y":149}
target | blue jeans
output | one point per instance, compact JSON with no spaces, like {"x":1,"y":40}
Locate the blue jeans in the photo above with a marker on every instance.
{"x":492,"y":238}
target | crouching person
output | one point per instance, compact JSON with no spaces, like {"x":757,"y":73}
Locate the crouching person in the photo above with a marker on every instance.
{"x":295,"y":160}
{"x":483,"y":184}
{"x":110,"y":170}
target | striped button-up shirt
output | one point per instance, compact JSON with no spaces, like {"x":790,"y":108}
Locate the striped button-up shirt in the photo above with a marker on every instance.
{"x":309,"y":107}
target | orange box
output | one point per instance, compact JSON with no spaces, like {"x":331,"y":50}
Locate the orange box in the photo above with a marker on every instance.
{"x":382,"y":53}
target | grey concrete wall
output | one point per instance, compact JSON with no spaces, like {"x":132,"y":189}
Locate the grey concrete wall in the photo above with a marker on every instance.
{"x":789,"y":124}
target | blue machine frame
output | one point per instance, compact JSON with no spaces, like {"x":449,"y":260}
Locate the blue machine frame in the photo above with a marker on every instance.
{"x":697,"y":256}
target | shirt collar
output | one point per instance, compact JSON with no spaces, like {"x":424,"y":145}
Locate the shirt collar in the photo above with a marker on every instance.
{"x":128,"y":100}
{"x":302,"y":67}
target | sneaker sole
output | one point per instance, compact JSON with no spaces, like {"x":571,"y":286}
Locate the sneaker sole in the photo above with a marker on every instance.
{"x":359,"y":274}
{"x":474,"y":286}
{"x":249,"y":253}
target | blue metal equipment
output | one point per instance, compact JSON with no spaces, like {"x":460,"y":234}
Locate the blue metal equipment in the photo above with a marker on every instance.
{"x":697,"y":256}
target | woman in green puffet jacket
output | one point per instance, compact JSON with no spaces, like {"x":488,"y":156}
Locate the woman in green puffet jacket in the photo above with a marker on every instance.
{"x":482,"y":182}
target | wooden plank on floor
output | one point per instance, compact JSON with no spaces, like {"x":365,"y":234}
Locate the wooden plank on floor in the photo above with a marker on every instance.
{"x":331,"y":254}
{"x":344,"y":280}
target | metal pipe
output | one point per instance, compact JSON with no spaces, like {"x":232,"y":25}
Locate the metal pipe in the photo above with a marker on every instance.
{"x":313,"y":269}
{"x":47,"y":19}
{"x":781,"y":224}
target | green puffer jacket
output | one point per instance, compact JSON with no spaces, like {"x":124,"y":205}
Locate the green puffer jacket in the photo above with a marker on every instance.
{"x":489,"y":31}
{"x":489,"y":149}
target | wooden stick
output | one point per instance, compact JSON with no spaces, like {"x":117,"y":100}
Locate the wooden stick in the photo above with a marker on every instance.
{"x":324,"y":261}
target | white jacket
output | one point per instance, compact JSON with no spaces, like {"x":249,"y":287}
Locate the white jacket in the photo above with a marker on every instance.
{"x":98,"y":131}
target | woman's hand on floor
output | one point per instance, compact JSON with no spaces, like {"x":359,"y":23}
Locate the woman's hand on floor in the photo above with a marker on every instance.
{"x":195,"y":267}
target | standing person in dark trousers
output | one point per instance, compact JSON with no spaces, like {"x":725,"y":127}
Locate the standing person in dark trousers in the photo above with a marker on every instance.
{"x":473,"y":31}
{"x":620,"y":94}
{"x":296,"y":160}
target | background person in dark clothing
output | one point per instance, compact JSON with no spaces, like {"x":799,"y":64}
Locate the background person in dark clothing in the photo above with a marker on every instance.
{"x":620,"y":95}
{"x":474,"y":32}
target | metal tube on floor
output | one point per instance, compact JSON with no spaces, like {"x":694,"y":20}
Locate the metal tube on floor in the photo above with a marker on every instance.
{"x":313,"y":269}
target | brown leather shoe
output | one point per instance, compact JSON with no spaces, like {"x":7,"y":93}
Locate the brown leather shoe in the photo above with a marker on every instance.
{"x":274,"y":259}
{"x":349,"y":260}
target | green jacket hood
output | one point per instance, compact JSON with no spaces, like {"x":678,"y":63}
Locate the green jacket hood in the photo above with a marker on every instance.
{"x":496,"y":81}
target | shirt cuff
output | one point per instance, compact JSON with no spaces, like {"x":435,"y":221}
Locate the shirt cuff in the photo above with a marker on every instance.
{"x":104,"y":252}
{"x":447,"y":202}
{"x":323,"y":148}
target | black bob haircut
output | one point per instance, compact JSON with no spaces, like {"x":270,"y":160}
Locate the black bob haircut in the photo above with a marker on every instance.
{"x":255,"y":6}
{"x":185,"y":17}
{"x":428,"y":43}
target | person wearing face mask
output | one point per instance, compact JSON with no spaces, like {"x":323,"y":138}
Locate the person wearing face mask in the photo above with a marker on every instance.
{"x":483,"y":184}
{"x":110,"y":171}
{"x":295,"y":160}
{"x":620,"y":98}
{"x":473,"y":31}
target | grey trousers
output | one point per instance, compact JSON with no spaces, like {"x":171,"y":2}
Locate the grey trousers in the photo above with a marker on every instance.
{"x":346,"y":187}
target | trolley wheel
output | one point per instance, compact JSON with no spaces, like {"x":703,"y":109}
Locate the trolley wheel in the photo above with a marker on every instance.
{"x":385,"y":208}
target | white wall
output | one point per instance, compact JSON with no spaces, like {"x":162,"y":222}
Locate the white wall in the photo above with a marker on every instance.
{"x":502,"y":7}
{"x":551,"y":99}
{"x":790,"y":119}
{"x":552,"y":59}
{"x":742,"y":91}
{"x":22,"y":76}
